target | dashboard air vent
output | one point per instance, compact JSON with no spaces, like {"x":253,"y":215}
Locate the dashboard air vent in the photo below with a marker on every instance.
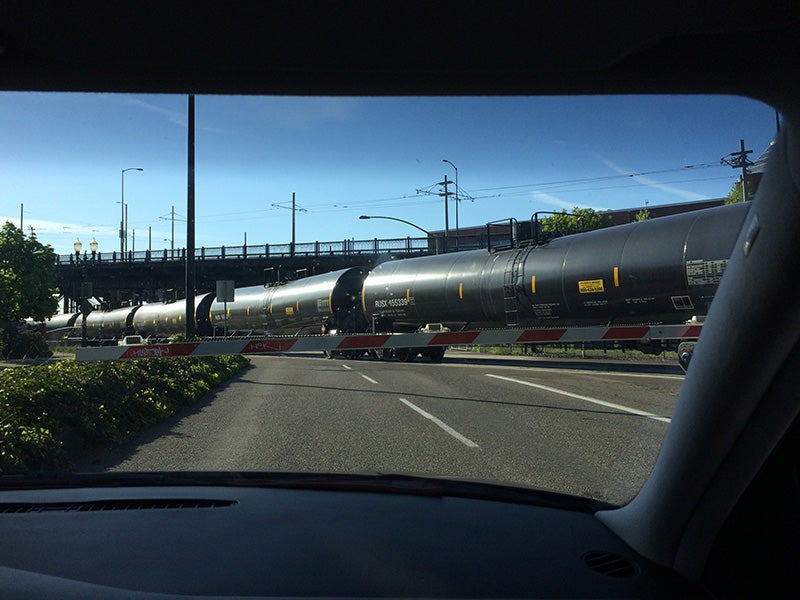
{"x":609,"y":564}
{"x":121,"y":504}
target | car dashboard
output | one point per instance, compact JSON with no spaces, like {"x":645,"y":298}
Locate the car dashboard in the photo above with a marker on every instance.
{"x":246,"y":542}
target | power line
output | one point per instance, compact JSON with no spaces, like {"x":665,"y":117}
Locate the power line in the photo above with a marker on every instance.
{"x":407,"y":200}
{"x":601,"y":178}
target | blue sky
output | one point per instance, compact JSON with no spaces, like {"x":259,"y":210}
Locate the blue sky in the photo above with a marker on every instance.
{"x":343,"y":157}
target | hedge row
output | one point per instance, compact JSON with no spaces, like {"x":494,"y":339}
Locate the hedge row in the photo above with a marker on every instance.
{"x":95,"y":404}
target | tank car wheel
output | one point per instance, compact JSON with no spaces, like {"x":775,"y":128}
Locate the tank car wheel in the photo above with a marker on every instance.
{"x":685,"y":351}
{"x":436,"y":354}
{"x":405,"y":354}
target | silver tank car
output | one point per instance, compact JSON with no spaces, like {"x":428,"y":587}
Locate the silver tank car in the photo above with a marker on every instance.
{"x":108,"y":324}
{"x":664,"y":270}
{"x":245,"y":315}
{"x":161,"y":320}
{"x":305,"y":305}
{"x":61,"y":326}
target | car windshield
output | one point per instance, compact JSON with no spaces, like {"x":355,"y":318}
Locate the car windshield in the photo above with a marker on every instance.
{"x":495,"y":289}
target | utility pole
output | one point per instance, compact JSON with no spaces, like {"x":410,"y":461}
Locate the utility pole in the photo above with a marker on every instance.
{"x":171,"y":217}
{"x":739,"y":160}
{"x":123,"y":225}
{"x":294,"y":208}
{"x":294,"y":214}
{"x":458,"y":233}
{"x":446,"y":195}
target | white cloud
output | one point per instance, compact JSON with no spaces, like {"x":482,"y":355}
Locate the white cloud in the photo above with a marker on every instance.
{"x":173,"y":116}
{"x":650,"y":182}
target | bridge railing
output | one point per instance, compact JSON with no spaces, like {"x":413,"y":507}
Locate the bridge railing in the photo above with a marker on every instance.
{"x":407,"y":245}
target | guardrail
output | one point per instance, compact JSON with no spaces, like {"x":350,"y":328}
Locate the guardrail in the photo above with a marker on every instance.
{"x":408,"y":245}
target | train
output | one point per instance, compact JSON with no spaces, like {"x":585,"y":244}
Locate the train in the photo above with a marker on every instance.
{"x":658,"y":271}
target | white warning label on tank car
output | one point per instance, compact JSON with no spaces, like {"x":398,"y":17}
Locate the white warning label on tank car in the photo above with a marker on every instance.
{"x":595,"y":303}
{"x":705,"y":272}
{"x":640,"y":300}
{"x":548,"y":309}
{"x":392,"y":302}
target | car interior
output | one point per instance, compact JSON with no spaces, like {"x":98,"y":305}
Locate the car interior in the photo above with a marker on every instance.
{"x":718,"y":517}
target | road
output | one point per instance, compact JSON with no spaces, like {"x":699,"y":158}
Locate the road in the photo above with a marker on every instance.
{"x":589,"y":432}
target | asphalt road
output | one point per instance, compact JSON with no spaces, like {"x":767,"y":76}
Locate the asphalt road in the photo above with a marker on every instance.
{"x":588,"y":431}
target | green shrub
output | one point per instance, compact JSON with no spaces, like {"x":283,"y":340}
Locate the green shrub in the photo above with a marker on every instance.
{"x":99,"y":403}
{"x":25,"y":344}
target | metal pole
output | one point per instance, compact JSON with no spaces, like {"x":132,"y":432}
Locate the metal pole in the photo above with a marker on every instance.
{"x":744,"y":170}
{"x":294,"y":212}
{"x":190,"y":267}
{"x":123,"y":224}
{"x":456,"y":170}
{"x":122,"y":217}
{"x":446,"y":217}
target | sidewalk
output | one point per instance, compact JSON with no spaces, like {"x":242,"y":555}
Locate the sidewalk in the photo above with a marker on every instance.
{"x":594,"y":363}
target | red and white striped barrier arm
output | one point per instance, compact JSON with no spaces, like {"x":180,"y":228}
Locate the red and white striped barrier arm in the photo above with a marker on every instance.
{"x":330,"y":343}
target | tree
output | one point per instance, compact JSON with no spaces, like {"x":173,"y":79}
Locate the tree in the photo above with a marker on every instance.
{"x":580,"y":219}
{"x":27,"y":279}
{"x":642,"y":215}
{"x":735,"y":195}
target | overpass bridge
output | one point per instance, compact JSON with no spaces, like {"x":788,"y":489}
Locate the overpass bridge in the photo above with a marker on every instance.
{"x":148,"y":276}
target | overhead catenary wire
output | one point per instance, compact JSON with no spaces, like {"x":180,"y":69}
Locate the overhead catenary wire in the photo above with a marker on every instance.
{"x":420,"y":200}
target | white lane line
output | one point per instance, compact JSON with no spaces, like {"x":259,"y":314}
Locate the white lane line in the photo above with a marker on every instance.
{"x":633,"y":411}
{"x":370,"y":379}
{"x":346,"y":367}
{"x":464,"y":440}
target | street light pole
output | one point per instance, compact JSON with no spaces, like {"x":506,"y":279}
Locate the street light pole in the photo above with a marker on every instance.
{"x":425,"y":231}
{"x":395,"y":219}
{"x":456,"y":168}
{"x":85,"y":287}
{"x":123,"y":224}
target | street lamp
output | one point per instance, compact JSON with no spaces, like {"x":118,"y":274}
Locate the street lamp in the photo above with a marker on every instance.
{"x":85,"y":287}
{"x":395,"y":219}
{"x":123,"y":224}
{"x":93,"y":245}
{"x":425,"y":231}
{"x":456,"y":168}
